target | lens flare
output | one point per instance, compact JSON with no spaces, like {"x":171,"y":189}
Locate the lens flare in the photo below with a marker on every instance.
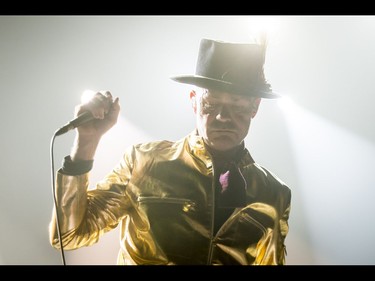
{"x":87,"y":95}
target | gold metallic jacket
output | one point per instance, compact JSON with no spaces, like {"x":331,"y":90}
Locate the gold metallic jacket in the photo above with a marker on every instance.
{"x":161,"y":196}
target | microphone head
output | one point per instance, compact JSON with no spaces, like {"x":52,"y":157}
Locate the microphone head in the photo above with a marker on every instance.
{"x":76,"y":122}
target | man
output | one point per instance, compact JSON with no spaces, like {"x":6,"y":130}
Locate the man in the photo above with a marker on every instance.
{"x":201,"y":200}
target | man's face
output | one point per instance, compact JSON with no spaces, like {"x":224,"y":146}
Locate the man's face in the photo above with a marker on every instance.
{"x":223,"y":119}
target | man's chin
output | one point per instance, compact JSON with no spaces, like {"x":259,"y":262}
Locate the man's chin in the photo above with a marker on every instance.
{"x":223,"y":143}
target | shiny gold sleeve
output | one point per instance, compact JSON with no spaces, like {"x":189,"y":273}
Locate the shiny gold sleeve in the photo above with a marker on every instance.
{"x":85,"y":215}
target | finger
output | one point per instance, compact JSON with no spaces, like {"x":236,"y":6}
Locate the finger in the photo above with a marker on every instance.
{"x":116,"y":104}
{"x":101,"y":102}
{"x":115,"y":110}
{"x":99,"y":97}
{"x":108,"y":94}
{"x":97,"y":109}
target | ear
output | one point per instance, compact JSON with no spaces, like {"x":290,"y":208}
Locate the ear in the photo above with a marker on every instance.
{"x":193,"y":99}
{"x":256,"y":104}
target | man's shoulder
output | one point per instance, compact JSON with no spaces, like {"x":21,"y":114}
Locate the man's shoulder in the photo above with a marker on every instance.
{"x":270,"y":177}
{"x":158,"y":145}
{"x":153,"y":145}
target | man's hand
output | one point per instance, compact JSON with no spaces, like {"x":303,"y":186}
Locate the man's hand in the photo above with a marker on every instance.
{"x":105,"y":111}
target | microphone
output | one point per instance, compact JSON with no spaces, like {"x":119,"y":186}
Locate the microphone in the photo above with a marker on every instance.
{"x":76,"y":122}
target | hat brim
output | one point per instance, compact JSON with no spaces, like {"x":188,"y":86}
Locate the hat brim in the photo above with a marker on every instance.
{"x":209,"y":83}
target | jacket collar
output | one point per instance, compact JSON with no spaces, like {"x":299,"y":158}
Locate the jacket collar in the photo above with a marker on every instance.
{"x":198,"y":149}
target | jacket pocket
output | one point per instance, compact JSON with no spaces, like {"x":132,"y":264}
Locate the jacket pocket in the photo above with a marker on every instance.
{"x":247,"y":218}
{"x":174,"y":227}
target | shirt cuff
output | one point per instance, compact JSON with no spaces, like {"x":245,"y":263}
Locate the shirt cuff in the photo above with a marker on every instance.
{"x":77,"y":167}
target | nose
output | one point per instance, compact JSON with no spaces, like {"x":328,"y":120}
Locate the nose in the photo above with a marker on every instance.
{"x":223,"y":114}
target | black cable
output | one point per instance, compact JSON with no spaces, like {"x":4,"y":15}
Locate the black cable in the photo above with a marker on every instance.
{"x":55,"y":200}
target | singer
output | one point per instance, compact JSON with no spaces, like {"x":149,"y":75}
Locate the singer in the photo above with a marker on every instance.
{"x":201,"y":200}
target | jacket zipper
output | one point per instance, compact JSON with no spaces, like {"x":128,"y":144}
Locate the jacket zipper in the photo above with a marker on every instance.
{"x":187,"y":204}
{"x":255,"y":222}
{"x":210,"y":250}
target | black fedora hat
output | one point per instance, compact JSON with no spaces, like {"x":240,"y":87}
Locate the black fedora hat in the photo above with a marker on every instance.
{"x":231,"y":67}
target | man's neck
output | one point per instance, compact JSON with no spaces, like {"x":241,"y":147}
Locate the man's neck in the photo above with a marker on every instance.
{"x":228,"y":155}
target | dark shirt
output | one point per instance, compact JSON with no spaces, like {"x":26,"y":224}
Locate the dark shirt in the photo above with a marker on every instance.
{"x":230,"y":185}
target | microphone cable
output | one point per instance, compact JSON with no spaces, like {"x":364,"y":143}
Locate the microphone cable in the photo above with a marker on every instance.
{"x":55,"y":200}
